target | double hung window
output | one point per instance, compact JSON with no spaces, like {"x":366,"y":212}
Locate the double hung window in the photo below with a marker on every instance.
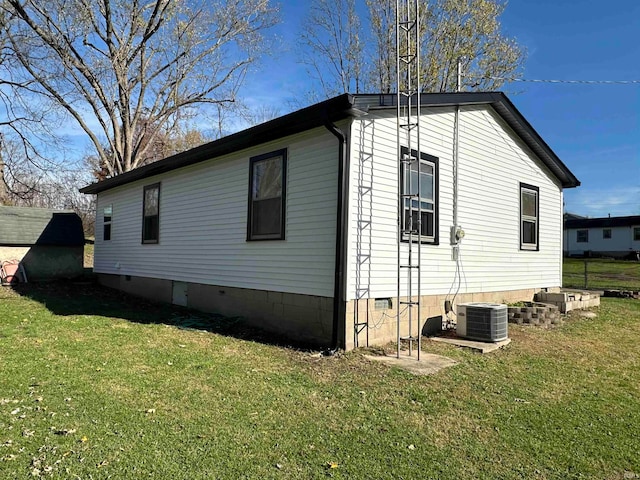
{"x":419,"y":196}
{"x":529,"y":213}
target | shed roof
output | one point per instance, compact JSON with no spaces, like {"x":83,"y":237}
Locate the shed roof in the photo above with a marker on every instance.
{"x":39,"y":226}
{"x":338,"y":108}
{"x":604,"y":222}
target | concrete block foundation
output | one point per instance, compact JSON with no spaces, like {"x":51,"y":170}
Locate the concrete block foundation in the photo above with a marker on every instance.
{"x":382,"y":323}
{"x":308,"y":318}
{"x":301,"y":318}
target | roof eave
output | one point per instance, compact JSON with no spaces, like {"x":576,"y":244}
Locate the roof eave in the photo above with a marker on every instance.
{"x":502,"y":105}
{"x":335,"y":109}
{"x":316,"y":115}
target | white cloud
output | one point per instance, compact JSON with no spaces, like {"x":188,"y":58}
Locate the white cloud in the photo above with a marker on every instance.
{"x":600,"y":202}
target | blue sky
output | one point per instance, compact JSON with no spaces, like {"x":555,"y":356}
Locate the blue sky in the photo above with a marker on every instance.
{"x":594,"y":129}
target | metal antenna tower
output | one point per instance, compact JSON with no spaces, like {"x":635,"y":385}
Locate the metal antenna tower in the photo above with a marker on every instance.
{"x":409,"y":168}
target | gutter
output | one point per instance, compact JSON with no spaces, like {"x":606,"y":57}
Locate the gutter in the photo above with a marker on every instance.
{"x":339,"y":290}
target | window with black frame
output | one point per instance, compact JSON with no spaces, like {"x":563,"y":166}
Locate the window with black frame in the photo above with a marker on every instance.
{"x":107,"y":213}
{"x":529,"y":213}
{"x":267,"y":195}
{"x":151,"y":214}
{"x":582,"y":236}
{"x":420,"y":196}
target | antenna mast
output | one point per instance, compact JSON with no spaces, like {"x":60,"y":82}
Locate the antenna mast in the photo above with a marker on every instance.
{"x":409,"y":168}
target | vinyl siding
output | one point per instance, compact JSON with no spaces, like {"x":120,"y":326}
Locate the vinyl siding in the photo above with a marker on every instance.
{"x":203,"y":223}
{"x":493,"y":163}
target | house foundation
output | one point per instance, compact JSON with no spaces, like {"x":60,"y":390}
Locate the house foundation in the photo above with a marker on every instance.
{"x":370,"y":322}
{"x":306,"y":318}
{"x":301,"y":318}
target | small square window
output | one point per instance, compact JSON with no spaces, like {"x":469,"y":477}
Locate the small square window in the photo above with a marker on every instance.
{"x":151,"y":214}
{"x":606,"y":233}
{"x":582,"y":236}
{"x":382,"y":304}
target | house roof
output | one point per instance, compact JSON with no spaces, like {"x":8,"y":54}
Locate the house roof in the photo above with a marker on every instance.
{"x":606,"y":222}
{"x":39,"y":226}
{"x":338,"y":108}
{"x":572,"y":216}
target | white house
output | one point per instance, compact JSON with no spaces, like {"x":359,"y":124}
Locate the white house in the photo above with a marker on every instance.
{"x":293,"y":224}
{"x":617,"y":237}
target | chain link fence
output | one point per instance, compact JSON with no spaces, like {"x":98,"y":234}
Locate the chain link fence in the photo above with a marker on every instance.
{"x":601,"y":274}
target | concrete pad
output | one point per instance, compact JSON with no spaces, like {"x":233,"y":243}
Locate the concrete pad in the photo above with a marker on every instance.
{"x":482,"y":347}
{"x":428,"y":365}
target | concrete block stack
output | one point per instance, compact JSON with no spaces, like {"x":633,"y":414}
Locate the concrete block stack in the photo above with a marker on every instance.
{"x":622,"y":294}
{"x":533,"y":313}
{"x":567,"y":301}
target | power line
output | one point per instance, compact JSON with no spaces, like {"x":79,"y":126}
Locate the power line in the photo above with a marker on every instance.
{"x":584,"y":82}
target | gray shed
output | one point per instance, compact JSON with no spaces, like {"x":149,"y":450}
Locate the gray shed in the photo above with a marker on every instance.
{"x":48,"y":243}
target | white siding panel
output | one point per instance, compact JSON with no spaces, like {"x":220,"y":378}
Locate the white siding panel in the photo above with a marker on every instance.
{"x":493,"y":162}
{"x":203,"y":223}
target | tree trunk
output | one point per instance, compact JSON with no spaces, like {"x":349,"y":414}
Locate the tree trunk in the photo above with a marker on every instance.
{"x":4,"y":194}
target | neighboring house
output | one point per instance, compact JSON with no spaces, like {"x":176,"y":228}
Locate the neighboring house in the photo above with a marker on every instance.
{"x":293,"y":223}
{"x":617,"y":237}
{"x":572,"y":216}
{"x":48,"y":243}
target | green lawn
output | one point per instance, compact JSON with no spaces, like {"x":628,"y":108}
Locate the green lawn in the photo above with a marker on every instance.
{"x":96,"y":385}
{"x":601,"y":274}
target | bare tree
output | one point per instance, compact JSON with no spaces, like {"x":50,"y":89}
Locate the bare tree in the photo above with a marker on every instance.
{"x":331,"y":46}
{"x":125,"y":70}
{"x":449,"y":29}
{"x":24,"y":130}
{"x":261,"y":114}
{"x":468,"y":30}
{"x":382,"y":17}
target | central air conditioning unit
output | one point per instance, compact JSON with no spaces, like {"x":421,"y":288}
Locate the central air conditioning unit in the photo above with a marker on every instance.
{"x":486,"y":322}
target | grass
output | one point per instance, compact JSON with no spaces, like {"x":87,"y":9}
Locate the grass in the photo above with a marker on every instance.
{"x":88,"y":255}
{"x":96,"y":385}
{"x":601,"y":274}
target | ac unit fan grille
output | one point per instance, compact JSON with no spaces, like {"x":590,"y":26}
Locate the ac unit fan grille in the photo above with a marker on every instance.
{"x":487,"y":323}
